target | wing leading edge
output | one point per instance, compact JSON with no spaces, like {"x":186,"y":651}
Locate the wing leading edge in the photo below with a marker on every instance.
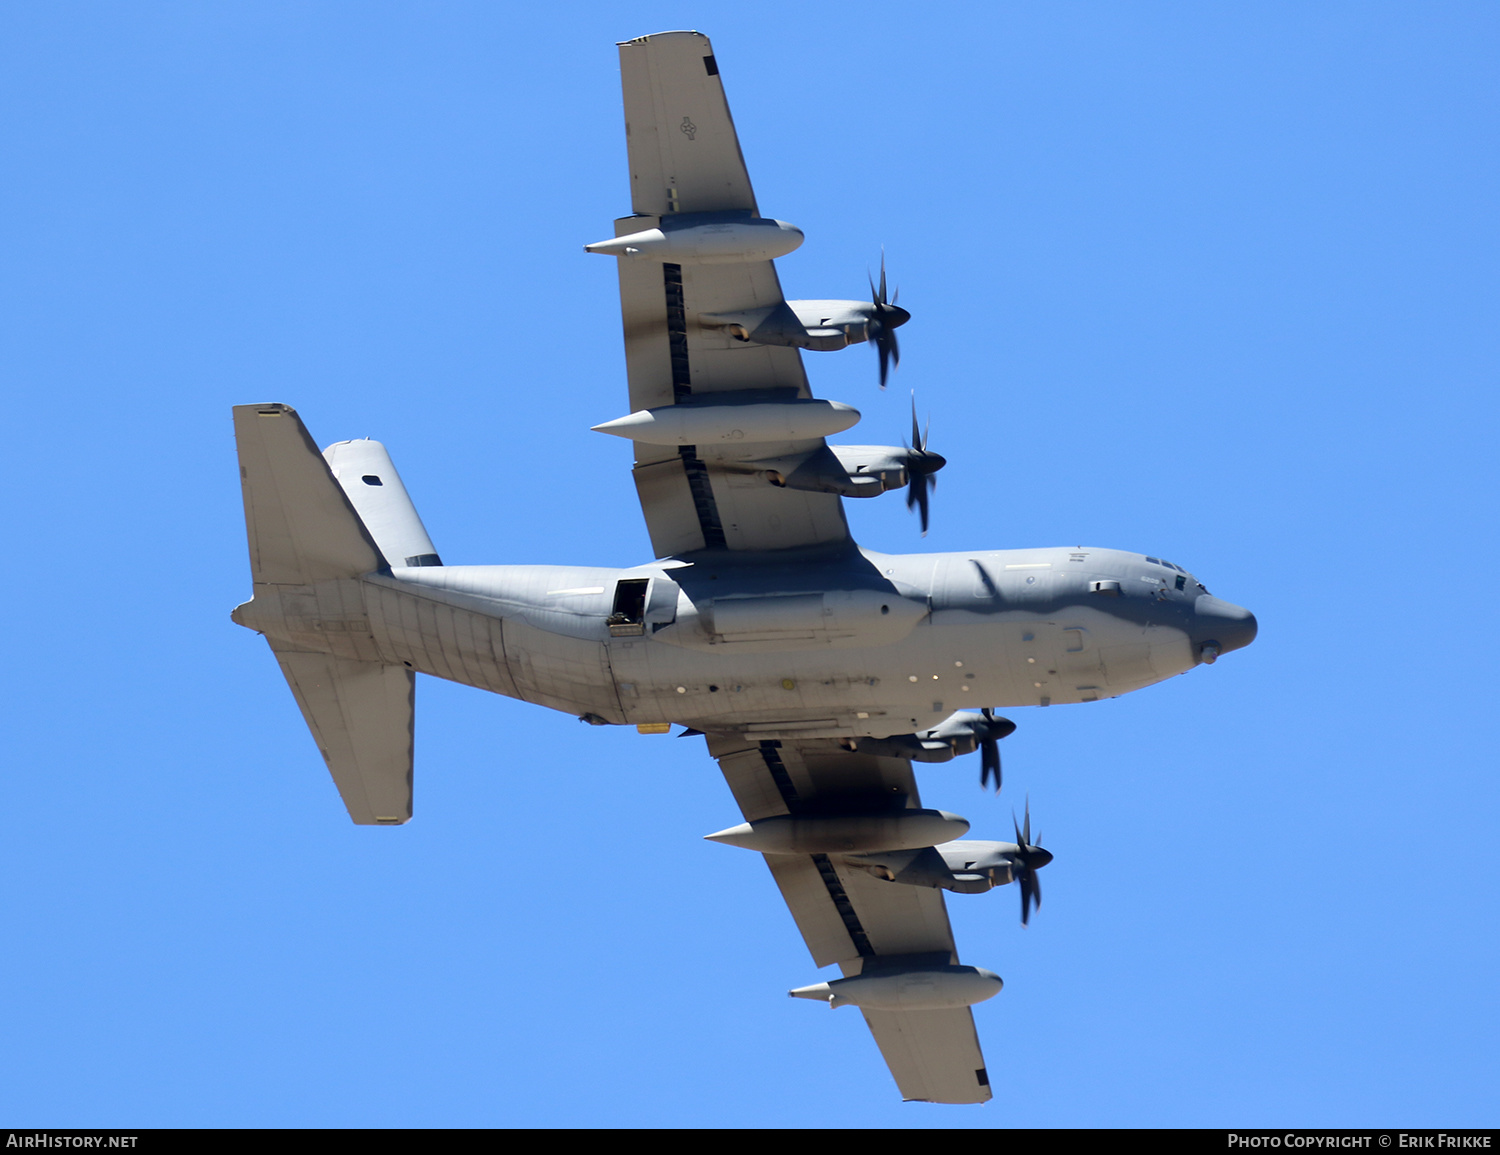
{"x":849,"y":917}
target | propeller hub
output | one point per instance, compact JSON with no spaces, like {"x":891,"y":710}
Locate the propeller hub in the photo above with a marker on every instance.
{"x":1034,"y":857}
{"x":925,"y":462}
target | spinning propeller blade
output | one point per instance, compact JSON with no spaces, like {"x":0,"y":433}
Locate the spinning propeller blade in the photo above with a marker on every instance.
{"x":1029,"y":859}
{"x":989,"y":753}
{"x":921,"y":464}
{"x":880,"y":330}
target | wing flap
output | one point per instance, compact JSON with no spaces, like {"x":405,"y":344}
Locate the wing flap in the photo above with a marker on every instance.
{"x":721,"y":363}
{"x":757,"y":515}
{"x":828,"y":937}
{"x":671,"y":514}
{"x":934,"y":1056}
{"x":897,"y":919}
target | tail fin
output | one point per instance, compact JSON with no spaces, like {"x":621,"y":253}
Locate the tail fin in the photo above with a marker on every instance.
{"x":374,"y":488}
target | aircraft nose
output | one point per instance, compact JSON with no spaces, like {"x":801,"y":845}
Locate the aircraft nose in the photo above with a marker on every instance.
{"x":1221,"y":626}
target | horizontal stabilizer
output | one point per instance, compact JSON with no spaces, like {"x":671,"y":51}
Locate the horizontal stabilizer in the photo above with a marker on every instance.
{"x":360,"y":714}
{"x":301,"y":525}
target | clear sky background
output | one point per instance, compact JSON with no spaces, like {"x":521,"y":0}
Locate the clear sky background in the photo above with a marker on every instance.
{"x":1211,"y":282}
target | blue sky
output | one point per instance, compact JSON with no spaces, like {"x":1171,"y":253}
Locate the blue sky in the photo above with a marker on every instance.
{"x":1215,"y":283}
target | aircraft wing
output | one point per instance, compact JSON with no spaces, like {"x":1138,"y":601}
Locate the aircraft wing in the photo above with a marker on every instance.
{"x":685,"y":159}
{"x":848,"y":916}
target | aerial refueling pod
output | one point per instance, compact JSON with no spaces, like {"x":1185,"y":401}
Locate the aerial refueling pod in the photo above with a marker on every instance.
{"x":833,"y":834}
{"x":803,"y":419}
{"x":708,"y":243}
{"x":929,"y":988}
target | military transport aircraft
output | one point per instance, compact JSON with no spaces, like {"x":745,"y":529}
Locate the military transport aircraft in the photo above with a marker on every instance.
{"x":817,"y":671}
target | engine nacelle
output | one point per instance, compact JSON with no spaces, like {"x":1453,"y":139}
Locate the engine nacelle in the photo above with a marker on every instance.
{"x":959,"y":733}
{"x":816,"y":325}
{"x":886,"y":463}
{"x":963,"y":867}
{"x":705,"y":242}
{"x":847,"y":470}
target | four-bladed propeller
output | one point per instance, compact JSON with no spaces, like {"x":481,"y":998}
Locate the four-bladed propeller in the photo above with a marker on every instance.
{"x":880,"y":329}
{"x":921,"y":464}
{"x":1029,"y":859}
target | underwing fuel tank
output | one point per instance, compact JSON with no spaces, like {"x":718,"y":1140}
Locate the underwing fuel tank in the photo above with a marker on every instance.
{"x":708,"y":243}
{"x":938,"y":988}
{"x":896,"y":830}
{"x":798,"y":420}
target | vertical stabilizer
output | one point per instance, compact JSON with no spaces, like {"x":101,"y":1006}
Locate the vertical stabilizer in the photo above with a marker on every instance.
{"x":374,"y":488}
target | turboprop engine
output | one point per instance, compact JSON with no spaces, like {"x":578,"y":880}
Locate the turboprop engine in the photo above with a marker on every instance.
{"x":965,"y":867}
{"x":861,"y":470}
{"x":962,"y":732}
{"x":853,"y":470}
{"x":847,"y":470}
{"x":818,"y":325}
{"x":821,"y":325}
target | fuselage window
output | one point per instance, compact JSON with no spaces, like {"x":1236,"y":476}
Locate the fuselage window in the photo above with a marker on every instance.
{"x":1181,"y":582}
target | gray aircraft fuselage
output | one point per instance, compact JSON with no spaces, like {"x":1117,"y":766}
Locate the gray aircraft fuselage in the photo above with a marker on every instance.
{"x":846,"y":643}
